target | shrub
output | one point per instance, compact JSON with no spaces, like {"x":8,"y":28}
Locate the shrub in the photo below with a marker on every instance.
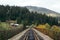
{"x":6,"y":34}
{"x":53,"y":32}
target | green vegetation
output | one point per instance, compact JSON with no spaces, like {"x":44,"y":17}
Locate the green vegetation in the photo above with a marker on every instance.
{"x":22,"y":16}
{"x":4,"y":26}
{"x":53,"y":32}
{"x":7,"y":31}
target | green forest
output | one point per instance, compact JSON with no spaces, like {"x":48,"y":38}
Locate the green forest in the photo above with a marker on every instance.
{"x":24,"y":16}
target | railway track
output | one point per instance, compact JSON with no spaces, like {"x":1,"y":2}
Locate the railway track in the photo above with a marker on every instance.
{"x":31,"y":35}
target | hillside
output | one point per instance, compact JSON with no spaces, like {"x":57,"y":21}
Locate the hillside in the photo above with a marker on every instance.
{"x":43,"y":10}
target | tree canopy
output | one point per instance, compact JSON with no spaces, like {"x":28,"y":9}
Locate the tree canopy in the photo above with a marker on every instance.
{"x":23,"y":15}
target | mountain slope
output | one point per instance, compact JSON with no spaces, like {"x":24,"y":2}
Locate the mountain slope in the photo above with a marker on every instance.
{"x":43,"y":10}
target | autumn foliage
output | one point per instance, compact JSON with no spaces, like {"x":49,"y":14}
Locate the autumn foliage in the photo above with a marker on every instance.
{"x":53,"y":32}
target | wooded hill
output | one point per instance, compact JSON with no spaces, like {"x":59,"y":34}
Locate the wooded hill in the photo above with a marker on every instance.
{"x":22,"y":15}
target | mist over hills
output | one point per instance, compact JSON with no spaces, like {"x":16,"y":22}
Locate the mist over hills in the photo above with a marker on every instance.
{"x":43,"y":10}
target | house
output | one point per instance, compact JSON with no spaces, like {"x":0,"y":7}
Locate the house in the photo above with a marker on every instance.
{"x":14,"y":24}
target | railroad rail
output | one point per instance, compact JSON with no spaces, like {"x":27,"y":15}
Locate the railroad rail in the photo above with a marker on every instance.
{"x":31,"y":35}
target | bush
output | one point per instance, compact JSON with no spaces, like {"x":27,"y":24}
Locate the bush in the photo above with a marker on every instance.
{"x":53,"y":32}
{"x":6,"y":34}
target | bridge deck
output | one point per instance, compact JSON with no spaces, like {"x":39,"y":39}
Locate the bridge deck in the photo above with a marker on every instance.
{"x":30,"y":34}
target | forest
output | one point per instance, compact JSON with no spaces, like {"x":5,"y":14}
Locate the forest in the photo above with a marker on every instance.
{"x":23,"y":15}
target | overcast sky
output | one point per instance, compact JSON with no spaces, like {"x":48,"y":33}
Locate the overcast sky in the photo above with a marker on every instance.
{"x":50,"y":4}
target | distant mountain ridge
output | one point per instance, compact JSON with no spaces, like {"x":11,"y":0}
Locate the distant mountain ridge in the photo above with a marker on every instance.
{"x":43,"y":10}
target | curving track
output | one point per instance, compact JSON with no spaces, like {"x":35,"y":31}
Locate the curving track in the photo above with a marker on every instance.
{"x":31,"y":35}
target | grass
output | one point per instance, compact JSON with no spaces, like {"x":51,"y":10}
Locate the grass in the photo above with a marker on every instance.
{"x":7,"y":26}
{"x":4,"y":26}
{"x":7,"y":31}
